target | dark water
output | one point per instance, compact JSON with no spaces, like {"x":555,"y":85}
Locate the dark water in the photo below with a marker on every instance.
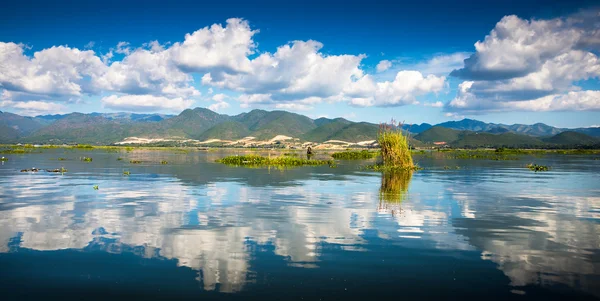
{"x":195,"y":229}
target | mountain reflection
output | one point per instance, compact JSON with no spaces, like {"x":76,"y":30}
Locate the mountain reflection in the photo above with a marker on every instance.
{"x":533,"y":238}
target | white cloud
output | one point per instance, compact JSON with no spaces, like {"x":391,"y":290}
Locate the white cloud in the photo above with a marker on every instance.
{"x":55,"y":71}
{"x":401,"y":91}
{"x":293,"y":106}
{"x":34,"y":107}
{"x":467,"y":102}
{"x":146,"y":103}
{"x":145,"y":71}
{"x":123,"y":48}
{"x":224,"y":49}
{"x":532,"y":65}
{"x":437,"y":104}
{"x":297,"y":75}
{"x":295,"y":71}
{"x":383,"y":65}
{"x":219,"y":97}
{"x":443,"y":64}
{"x":218,"y":106}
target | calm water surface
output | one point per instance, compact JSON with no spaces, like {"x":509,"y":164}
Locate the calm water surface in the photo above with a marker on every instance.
{"x":196,"y":229}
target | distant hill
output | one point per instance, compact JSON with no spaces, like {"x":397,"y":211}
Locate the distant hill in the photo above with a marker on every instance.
{"x":438,"y":134}
{"x":204,"y":124}
{"x":475,"y":139}
{"x":417,"y":128}
{"x":228,"y":130}
{"x":326,"y":128}
{"x":594,"y":132}
{"x":573,"y":139}
{"x":21,"y":125}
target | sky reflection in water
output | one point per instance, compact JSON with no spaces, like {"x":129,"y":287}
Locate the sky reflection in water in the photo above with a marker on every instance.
{"x":238,"y":228}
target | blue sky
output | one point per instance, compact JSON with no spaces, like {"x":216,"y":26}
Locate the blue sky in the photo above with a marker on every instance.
{"x":316,"y":58}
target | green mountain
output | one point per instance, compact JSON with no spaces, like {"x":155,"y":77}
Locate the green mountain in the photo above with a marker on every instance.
{"x":474,"y":139}
{"x":203,"y":124}
{"x":81,"y":128}
{"x":573,"y":139}
{"x":326,"y":129}
{"x":20,"y":124}
{"x":438,"y":134}
{"x":228,"y":130}
{"x":8,"y":134}
{"x":266,"y":125}
{"x":190,"y":123}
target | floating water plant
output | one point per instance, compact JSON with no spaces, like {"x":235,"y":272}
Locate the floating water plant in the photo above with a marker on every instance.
{"x":355,"y":155}
{"x":96,"y":187}
{"x":86,"y":159}
{"x":395,"y":151}
{"x":3,"y":159}
{"x":87,"y":146}
{"x":126,"y":173}
{"x":119,"y":159}
{"x":61,"y":159}
{"x":60,"y":170}
{"x":163,"y":162}
{"x":537,"y":168}
{"x":255,"y":160}
{"x":33,"y":169}
{"x":14,"y":151}
{"x":135,"y":161}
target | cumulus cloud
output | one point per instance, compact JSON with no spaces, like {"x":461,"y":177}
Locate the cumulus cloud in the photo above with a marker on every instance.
{"x":531,"y":65}
{"x":383,"y":65}
{"x":145,"y":71}
{"x":220,"y":102}
{"x":296,"y":76}
{"x":468,"y":102}
{"x":56,"y":71}
{"x":437,"y":104}
{"x":401,"y":91}
{"x":216,"y":48}
{"x":145,"y":103}
{"x":295,"y":71}
{"x":34,"y":107}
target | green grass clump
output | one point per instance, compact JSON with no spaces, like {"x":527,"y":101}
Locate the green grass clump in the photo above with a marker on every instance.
{"x":14,"y":151}
{"x":119,"y":159}
{"x":61,"y":159}
{"x":84,"y":146}
{"x":135,"y":161}
{"x":395,"y":151}
{"x":536,"y":168}
{"x":163,"y":162}
{"x":86,"y":159}
{"x":255,"y":160}
{"x":126,"y":173}
{"x":355,"y":155}
{"x":96,"y":187}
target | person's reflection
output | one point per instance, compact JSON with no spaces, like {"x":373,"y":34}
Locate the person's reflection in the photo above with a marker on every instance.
{"x":393,"y":190}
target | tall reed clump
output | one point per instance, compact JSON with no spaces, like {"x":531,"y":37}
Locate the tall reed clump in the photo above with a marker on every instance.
{"x":394,"y":146}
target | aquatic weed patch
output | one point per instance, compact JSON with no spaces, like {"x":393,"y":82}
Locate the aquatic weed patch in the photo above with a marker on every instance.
{"x":355,"y":155}
{"x":255,"y":160}
{"x":536,"y":168}
{"x":395,"y":150}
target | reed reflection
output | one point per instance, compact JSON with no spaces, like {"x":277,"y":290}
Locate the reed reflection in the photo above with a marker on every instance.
{"x":393,"y":190}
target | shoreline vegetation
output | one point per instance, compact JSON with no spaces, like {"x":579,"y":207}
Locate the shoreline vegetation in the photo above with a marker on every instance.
{"x":283,"y":161}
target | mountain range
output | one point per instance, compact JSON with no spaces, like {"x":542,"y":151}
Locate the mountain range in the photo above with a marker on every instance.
{"x":204,"y":124}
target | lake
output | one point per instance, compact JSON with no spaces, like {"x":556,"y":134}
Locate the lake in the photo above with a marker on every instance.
{"x":195,"y":229}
